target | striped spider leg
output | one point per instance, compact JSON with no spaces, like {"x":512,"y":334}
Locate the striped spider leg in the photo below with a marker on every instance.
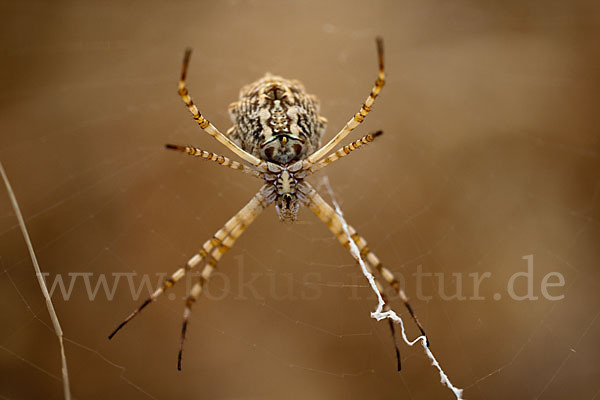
{"x":204,"y":123}
{"x":330,"y":217}
{"x":210,"y":253}
{"x":359,"y":117}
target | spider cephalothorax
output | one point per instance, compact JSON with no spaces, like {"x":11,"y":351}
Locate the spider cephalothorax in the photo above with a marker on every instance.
{"x":277,"y":131}
{"x":285,"y":186}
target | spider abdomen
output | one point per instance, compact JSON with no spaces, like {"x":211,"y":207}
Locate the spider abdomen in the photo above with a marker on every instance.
{"x":276,"y":120}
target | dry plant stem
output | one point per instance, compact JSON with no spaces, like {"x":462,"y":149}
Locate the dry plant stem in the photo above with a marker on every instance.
{"x":38,"y":273}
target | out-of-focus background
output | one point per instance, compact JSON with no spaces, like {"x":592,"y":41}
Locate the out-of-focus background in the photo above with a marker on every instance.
{"x":490,"y":154}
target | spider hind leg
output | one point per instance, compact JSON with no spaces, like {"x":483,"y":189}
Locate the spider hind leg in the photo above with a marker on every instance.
{"x":333,"y":221}
{"x":212,"y":250}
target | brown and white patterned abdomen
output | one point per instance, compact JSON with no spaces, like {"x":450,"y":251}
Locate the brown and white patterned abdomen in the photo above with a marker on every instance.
{"x":276,"y":120}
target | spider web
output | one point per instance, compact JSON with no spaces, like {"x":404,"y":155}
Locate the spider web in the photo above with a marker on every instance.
{"x":489,"y":155}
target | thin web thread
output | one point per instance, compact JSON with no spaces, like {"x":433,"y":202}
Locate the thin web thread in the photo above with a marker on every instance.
{"x":378,"y":314}
{"x":38,"y":273}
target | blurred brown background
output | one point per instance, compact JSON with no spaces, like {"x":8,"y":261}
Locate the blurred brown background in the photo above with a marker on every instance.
{"x":490,"y":153}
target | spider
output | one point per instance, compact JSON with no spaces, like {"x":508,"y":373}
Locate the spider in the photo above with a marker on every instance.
{"x":277,"y":130}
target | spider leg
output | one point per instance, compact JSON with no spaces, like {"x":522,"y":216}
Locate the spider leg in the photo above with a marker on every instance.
{"x":221,"y":160}
{"x":244,"y":218}
{"x":359,"y":116}
{"x":344,"y":151}
{"x":330,"y":218}
{"x":220,"y":238}
{"x":203,"y":122}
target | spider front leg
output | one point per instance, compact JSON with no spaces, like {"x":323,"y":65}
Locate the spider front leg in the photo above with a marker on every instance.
{"x":359,"y":117}
{"x":212,"y":250}
{"x":330,"y":218}
{"x":203,"y":122}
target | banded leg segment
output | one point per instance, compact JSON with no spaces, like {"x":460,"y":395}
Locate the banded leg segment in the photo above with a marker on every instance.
{"x":330,"y":218}
{"x":219,"y":239}
{"x":203,"y":122}
{"x":215,"y":250}
{"x":344,"y":151}
{"x":221,"y":160}
{"x":359,"y":116}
